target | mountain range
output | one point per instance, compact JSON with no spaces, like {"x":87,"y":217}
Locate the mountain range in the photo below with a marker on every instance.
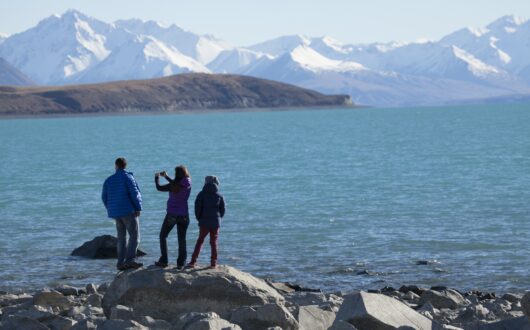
{"x":476,"y":64}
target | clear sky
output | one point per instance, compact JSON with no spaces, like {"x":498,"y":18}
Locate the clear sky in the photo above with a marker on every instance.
{"x":244,"y":22}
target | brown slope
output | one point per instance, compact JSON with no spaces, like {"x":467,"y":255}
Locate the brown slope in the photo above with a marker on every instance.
{"x":179,"y":92}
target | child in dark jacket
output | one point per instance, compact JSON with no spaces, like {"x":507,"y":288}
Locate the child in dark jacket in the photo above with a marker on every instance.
{"x":209,"y":209}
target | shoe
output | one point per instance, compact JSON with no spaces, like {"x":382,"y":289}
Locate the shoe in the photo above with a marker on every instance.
{"x":133,"y":265}
{"x":121,"y":267}
{"x":160,"y":264}
{"x":180,"y":267}
{"x":190,"y":265}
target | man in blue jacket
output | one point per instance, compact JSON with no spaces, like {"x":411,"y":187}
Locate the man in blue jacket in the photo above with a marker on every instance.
{"x":123,"y":200}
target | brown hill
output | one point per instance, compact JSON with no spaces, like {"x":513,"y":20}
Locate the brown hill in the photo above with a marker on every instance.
{"x":179,"y":92}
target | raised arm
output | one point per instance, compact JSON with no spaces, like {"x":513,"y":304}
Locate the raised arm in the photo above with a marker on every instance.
{"x":160,"y":187}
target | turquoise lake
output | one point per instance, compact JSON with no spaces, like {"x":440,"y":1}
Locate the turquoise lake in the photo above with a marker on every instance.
{"x":334,"y":199}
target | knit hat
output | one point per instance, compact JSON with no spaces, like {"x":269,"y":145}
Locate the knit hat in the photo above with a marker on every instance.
{"x":211,"y":179}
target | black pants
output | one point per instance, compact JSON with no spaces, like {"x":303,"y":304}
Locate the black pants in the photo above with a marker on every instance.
{"x":182,"y":223}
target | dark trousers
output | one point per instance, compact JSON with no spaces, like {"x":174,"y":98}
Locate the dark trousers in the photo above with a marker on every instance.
{"x":203,"y":232}
{"x":182,"y":223}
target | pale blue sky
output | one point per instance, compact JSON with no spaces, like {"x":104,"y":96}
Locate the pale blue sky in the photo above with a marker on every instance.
{"x":244,"y":22}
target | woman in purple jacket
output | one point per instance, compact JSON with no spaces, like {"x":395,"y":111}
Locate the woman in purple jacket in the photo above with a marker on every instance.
{"x":177,"y":213}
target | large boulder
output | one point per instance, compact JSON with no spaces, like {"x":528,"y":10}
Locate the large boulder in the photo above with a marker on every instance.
{"x":52,"y":298}
{"x":443,"y":299}
{"x":101,"y":247}
{"x":204,"y":321}
{"x":21,"y":322}
{"x":516,"y":323}
{"x":525,"y":304}
{"x":167,"y":293}
{"x":378,"y":312}
{"x":264,"y":317}
{"x":315,"y":318}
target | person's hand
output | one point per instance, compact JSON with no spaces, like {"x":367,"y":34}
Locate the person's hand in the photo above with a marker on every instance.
{"x":163,"y":173}
{"x":137,"y":213}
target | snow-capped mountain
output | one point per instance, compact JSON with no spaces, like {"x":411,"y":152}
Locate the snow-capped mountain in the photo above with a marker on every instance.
{"x":58,"y":47}
{"x":3,"y":36}
{"x":469,"y":64}
{"x":141,"y":58}
{"x":235,"y":59}
{"x":504,"y":43}
{"x":203,"y":48}
{"x":11,"y":76}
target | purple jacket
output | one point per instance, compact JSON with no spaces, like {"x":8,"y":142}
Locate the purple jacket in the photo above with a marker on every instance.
{"x":179,"y":192}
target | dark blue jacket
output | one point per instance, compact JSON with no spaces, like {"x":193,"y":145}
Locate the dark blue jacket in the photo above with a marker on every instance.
{"x":209,"y":206}
{"x":121,"y":194}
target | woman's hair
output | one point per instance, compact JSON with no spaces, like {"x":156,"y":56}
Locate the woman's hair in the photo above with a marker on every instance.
{"x":181,"y":172}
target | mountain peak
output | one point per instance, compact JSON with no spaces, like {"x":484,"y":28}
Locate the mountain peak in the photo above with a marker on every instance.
{"x":507,"y":21}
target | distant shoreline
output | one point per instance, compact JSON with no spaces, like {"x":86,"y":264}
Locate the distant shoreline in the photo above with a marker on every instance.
{"x":177,"y":112}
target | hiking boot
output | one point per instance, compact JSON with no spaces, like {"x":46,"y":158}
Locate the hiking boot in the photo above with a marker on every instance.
{"x":133,"y":265}
{"x":121,"y":267}
{"x":190,"y":266}
{"x":161,"y":264}
{"x":180,"y":267}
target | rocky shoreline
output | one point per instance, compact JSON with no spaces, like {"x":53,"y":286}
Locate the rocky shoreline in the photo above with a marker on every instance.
{"x":226,"y":298}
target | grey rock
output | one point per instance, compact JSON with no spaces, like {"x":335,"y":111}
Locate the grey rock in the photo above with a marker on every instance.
{"x":84,"y":325}
{"x":342,"y":325}
{"x":52,"y":298}
{"x":525,"y":304}
{"x":412,"y":297}
{"x":94,"y":299}
{"x":102,"y":288}
{"x":443,"y":299}
{"x":519,"y":323}
{"x":21,"y":322}
{"x":499,"y":307}
{"x":512,"y":297}
{"x":376,"y":311}
{"x":91,"y":288}
{"x":313,"y":298}
{"x":121,"y":325}
{"x":14,"y":299}
{"x":56,"y":322}
{"x":101,"y":247}
{"x":67,"y":290}
{"x":474,"y":313}
{"x":151,"y":323}
{"x":314,"y":318}
{"x":281,"y":287}
{"x":120,"y":312}
{"x":165,"y":293}
{"x":204,"y":321}
{"x":83,"y":312}
{"x":263,"y":317}
{"x":33,"y":312}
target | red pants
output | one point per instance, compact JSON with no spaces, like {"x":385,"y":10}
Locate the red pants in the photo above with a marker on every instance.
{"x":203,"y":232}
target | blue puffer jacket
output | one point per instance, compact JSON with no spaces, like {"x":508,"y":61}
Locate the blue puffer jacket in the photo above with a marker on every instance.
{"x":121,"y":194}
{"x":209,"y":206}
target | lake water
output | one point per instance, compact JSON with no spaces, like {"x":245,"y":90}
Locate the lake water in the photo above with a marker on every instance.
{"x":333,"y":199}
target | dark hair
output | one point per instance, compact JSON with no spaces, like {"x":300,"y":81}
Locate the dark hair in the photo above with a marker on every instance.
{"x":181,"y":172}
{"x":121,"y":163}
